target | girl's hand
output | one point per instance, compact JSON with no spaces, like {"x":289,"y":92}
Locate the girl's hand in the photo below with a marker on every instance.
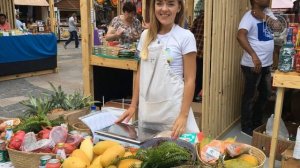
{"x":179,"y":126}
{"x":127,"y":115}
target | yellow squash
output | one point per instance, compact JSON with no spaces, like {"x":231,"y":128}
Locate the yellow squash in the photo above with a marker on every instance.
{"x":127,"y":163}
{"x":87,"y":147}
{"x":80,"y":154}
{"x":111,"y":154}
{"x":74,"y":162}
{"x":101,"y":146}
{"x":250,"y":159}
{"x":96,"y":163}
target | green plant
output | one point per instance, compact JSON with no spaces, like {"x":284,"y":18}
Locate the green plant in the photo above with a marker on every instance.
{"x":73,"y":101}
{"x":58,"y":97}
{"x":33,"y":123}
{"x":37,"y":105}
{"x":77,"y":101}
{"x":167,"y":154}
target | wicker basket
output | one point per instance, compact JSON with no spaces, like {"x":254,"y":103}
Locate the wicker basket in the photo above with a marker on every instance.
{"x":21,"y":159}
{"x":81,"y":127}
{"x":261,"y":157}
{"x":70,"y":117}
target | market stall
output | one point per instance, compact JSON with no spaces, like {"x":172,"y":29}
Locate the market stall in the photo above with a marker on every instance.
{"x":222,"y":76}
{"x":8,"y":8}
{"x":24,"y":54}
{"x":65,"y":9}
{"x":27,"y":54}
{"x":34,"y":14}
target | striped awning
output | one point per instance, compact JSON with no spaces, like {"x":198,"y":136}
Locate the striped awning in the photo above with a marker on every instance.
{"x":31,"y":2}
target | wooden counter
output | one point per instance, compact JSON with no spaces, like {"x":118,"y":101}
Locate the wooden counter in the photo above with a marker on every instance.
{"x":128,"y":64}
{"x":281,"y":81}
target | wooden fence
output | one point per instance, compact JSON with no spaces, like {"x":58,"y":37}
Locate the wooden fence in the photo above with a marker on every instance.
{"x":222,"y":78}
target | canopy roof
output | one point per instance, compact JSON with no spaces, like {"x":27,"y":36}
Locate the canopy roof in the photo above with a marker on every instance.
{"x":68,"y":5}
{"x":31,"y":2}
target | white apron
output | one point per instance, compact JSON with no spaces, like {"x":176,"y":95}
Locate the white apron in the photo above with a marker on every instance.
{"x":161,"y":93}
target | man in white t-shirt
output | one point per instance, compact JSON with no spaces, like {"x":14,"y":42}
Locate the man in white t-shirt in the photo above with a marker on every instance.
{"x":258,"y":44}
{"x":72,"y":22}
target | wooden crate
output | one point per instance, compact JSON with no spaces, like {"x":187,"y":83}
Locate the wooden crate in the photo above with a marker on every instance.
{"x":263,"y":141}
{"x":70,"y":117}
{"x":287,"y":160}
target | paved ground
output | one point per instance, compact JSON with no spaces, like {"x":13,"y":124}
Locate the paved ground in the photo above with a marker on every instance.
{"x":69,"y":77}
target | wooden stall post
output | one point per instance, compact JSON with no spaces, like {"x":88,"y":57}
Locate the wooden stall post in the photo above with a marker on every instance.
{"x":8,"y":8}
{"x":52,"y":18}
{"x":222,"y":78}
{"x":119,"y":8}
{"x":144,"y":9}
{"x":86,"y":42}
{"x":189,"y":11}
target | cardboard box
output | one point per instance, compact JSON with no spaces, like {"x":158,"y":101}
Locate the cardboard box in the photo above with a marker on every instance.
{"x":287,"y":160}
{"x":263,"y":141}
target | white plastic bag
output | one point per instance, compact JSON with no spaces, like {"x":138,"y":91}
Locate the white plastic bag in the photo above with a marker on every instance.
{"x":283,"y":132}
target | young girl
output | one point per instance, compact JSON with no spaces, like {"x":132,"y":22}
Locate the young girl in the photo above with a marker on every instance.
{"x":165,"y":81}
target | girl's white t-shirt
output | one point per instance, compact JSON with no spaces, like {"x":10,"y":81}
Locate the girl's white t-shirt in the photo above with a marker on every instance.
{"x":178,"y":42}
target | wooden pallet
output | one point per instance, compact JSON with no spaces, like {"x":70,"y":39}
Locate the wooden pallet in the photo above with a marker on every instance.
{"x":29,"y":74}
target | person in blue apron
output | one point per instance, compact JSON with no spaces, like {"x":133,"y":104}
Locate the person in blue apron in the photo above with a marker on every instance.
{"x":165,"y":82}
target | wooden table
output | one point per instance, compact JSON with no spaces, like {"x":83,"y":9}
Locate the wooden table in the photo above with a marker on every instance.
{"x":281,"y":81}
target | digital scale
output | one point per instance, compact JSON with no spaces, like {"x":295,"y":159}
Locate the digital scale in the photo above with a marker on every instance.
{"x":128,"y":135}
{"x":102,"y":124}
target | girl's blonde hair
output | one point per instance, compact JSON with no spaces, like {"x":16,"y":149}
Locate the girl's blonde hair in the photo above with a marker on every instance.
{"x":155,"y":26}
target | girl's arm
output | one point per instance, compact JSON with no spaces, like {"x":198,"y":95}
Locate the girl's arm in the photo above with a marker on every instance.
{"x":127,"y":115}
{"x":189,"y":70}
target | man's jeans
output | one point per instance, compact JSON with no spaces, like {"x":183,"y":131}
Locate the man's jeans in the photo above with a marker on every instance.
{"x":73,"y":34}
{"x":252,"y":106}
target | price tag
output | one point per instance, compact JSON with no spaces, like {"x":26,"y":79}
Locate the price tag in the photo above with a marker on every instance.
{"x":213,"y":152}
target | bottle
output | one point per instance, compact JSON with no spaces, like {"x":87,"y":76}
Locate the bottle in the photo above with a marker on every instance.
{"x":53,"y":163}
{"x":287,"y":52}
{"x":100,"y":33}
{"x":9,"y":133}
{"x":60,"y":153}
{"x":297,"y":62}
{"x":93,"y":109}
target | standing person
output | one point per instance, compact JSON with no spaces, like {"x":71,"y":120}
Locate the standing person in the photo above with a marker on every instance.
{"x":258,"y":45}
{"x":296,"y":10}
{"x":198,"y":30}
{"x":73,"y":31}
{"x":19,"y":24}
{"x":165,"y":79}
{"x":4,"y":25}
{"x":126,"y":28}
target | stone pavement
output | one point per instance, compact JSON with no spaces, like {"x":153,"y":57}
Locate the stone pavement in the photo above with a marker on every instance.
{"x":69,"y":76}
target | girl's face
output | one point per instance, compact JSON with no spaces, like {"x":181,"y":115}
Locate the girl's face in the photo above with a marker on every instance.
{"x":166,"y":10}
